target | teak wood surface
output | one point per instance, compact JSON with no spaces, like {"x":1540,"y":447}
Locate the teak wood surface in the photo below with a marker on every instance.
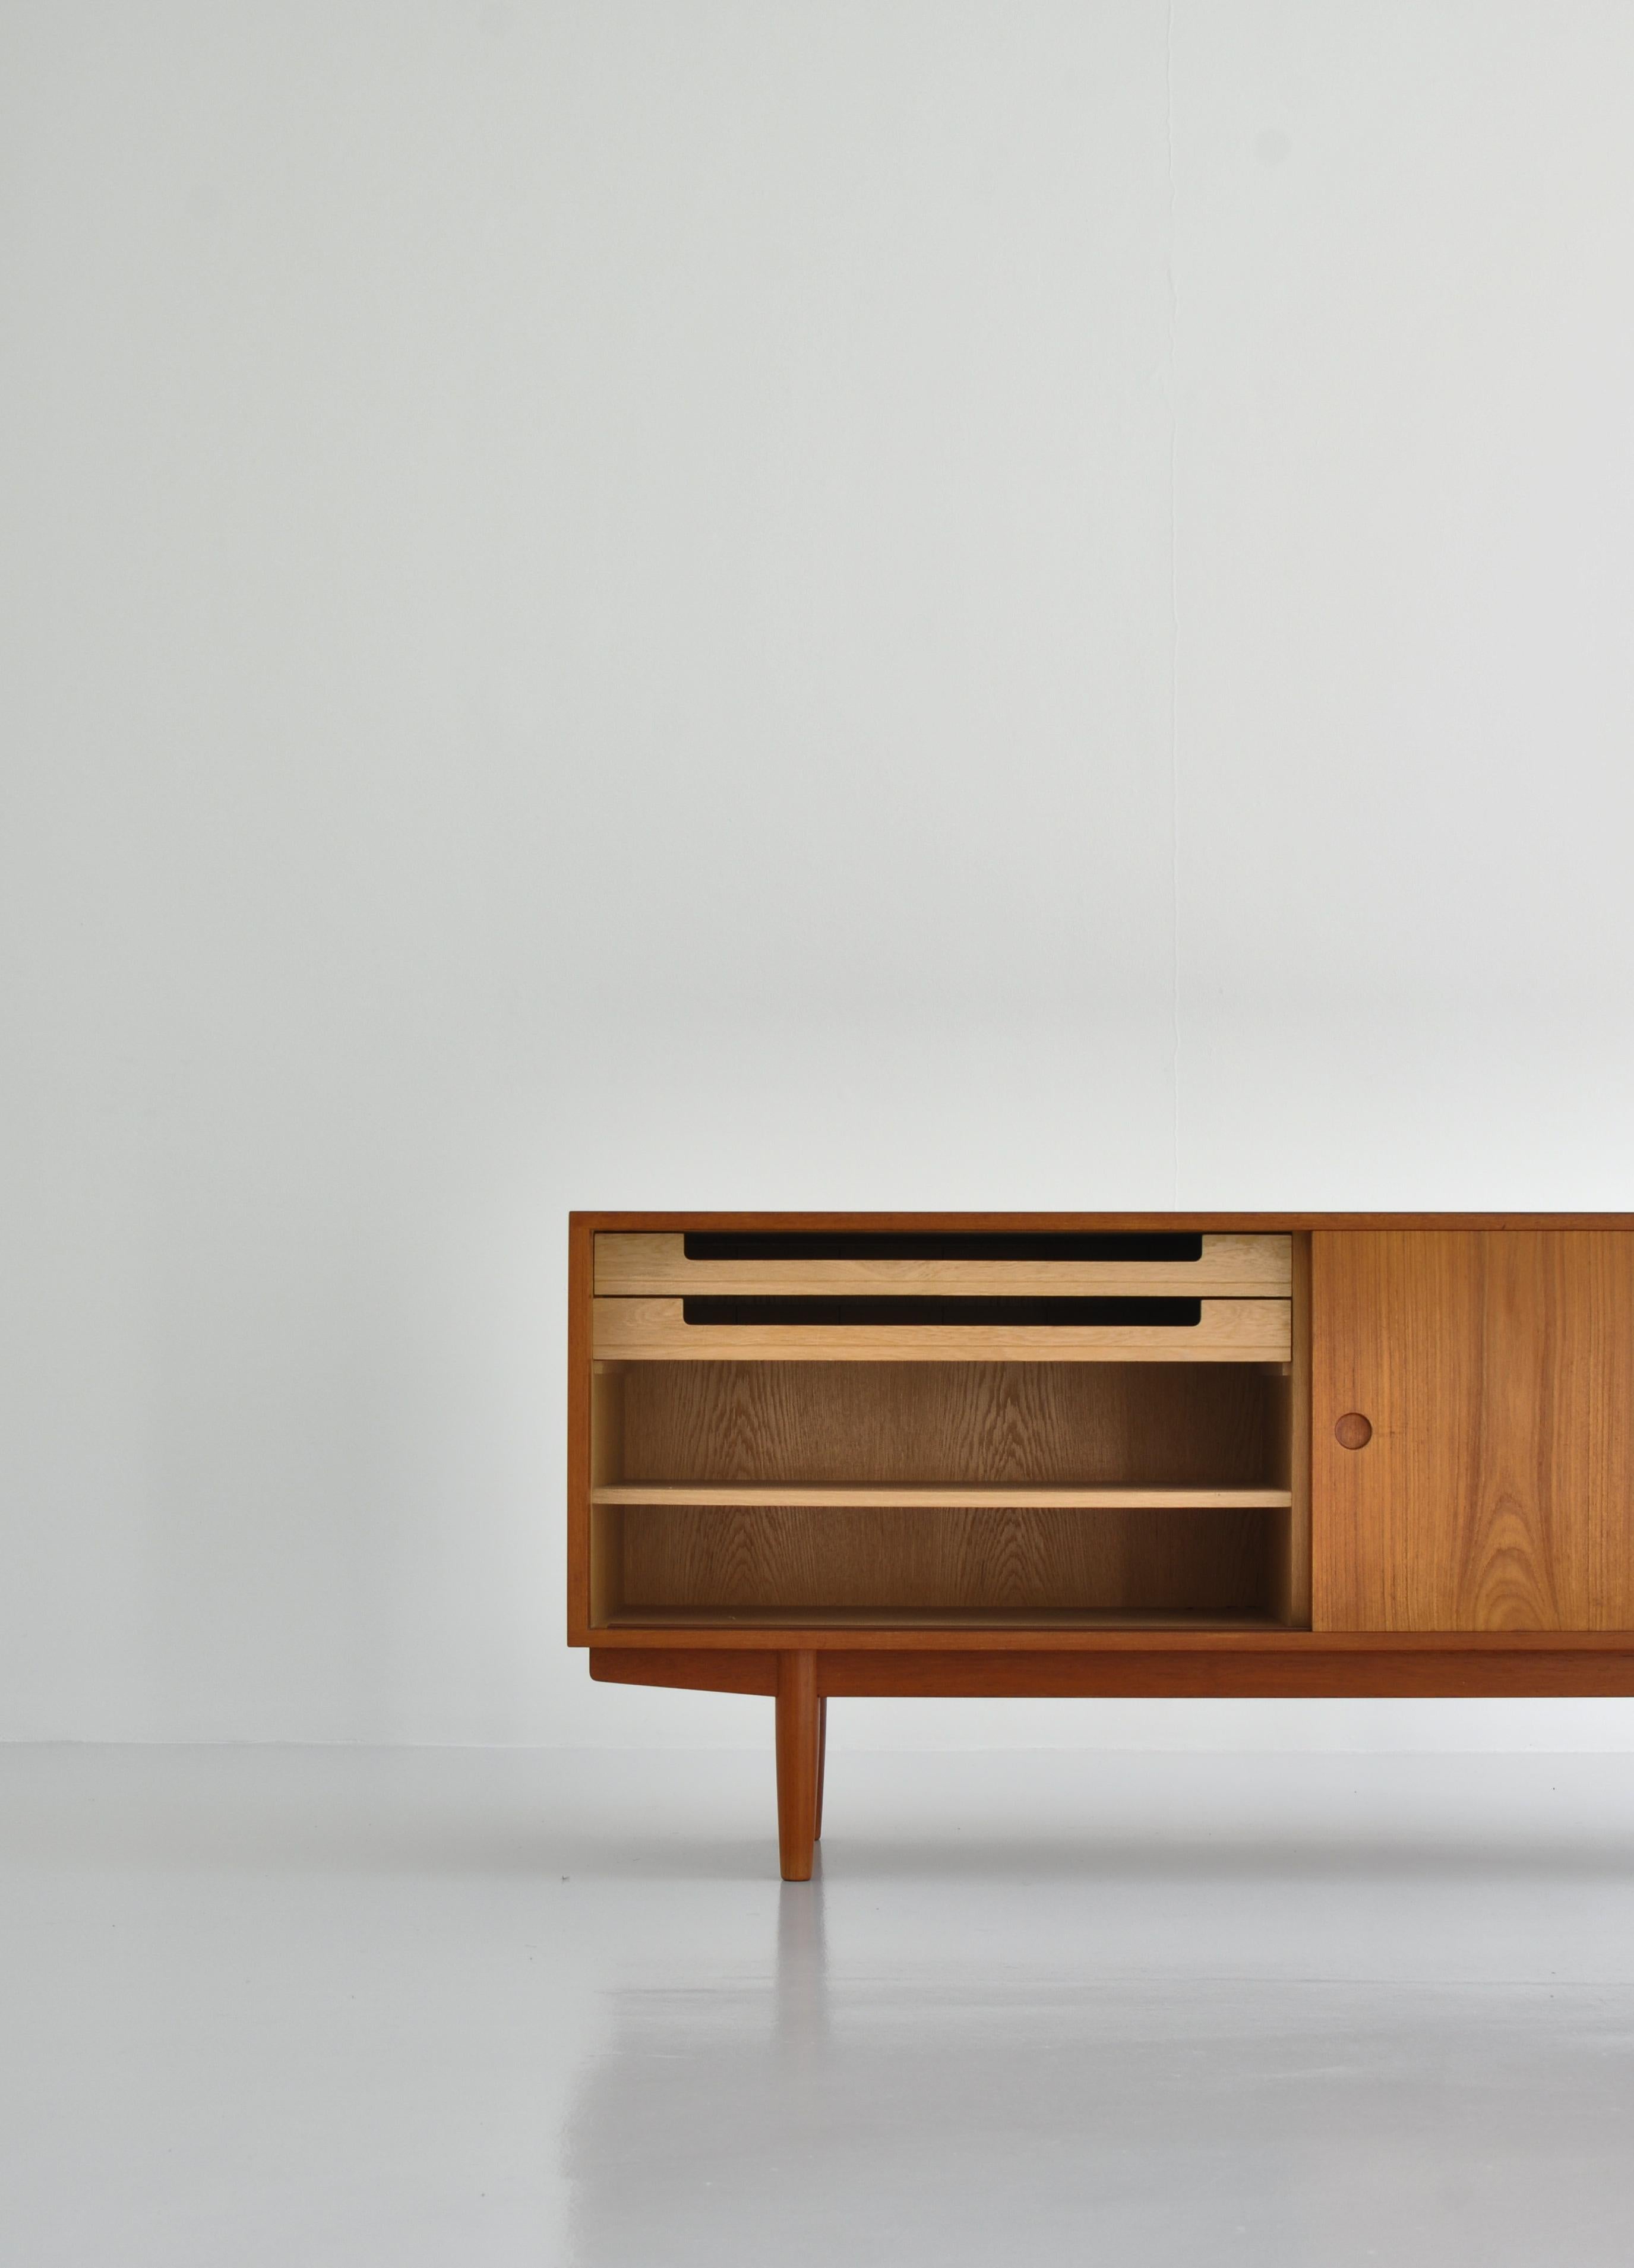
{"x":591,"y":1225}
{"x":1268,"y":1669}
{"x":801,"y":1728}
{"x":1495,"y":1491}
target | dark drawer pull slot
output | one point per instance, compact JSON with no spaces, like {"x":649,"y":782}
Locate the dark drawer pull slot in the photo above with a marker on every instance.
{"x":1177,"y":1314}
{"x":1166,"y":1247}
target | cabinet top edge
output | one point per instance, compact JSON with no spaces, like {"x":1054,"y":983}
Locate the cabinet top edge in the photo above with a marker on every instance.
{"x":1058,"y":1223}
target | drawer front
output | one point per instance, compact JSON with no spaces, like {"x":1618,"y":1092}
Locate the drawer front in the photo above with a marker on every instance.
{"x":651,"y":1265}
{"x":1210,"y":1330}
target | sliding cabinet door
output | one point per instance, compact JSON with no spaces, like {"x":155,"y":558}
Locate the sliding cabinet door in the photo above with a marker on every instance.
{"x":1473,"y":1430}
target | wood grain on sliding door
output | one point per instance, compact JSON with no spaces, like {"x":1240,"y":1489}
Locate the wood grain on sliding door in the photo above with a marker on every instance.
{"x":1496,"y":1368}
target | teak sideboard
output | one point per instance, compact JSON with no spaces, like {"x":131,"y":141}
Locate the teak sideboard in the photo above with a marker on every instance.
{"x":815,"y":1454}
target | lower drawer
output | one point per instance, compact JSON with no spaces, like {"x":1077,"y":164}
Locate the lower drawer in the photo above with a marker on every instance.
{"x":998,"y":1330}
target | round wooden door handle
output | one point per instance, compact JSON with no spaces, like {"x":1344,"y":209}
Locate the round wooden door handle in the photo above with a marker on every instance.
{"x":1353,"y":1430}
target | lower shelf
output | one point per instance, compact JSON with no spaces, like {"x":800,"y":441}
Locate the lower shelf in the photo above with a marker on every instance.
{"x":949,"y":1497}
{"x":907,"y":1618}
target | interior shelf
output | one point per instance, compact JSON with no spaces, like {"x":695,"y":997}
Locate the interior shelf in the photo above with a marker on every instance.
{"x":932,"y":1498}
{"x":910,"y":1618}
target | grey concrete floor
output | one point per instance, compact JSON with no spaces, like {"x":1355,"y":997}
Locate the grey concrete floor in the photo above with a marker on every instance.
{"x":313,"y":2007}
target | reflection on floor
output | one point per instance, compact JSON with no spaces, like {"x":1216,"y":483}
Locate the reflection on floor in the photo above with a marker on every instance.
{"x":456,"y":2006}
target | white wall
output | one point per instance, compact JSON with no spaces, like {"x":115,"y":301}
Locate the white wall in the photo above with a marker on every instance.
{"x":723,"y":604}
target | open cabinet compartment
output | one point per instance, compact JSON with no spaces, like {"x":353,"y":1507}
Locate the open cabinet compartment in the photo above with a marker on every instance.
{"x":998,"y":1493}
{"x":896,"y":1567}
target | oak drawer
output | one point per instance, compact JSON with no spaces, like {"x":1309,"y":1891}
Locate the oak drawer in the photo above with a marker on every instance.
{"x":770,"y":1330}
{"x":651,"y":1265}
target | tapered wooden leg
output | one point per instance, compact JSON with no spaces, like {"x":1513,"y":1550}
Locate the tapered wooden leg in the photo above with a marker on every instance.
{"x":799,"y":1722}
{"x":822,"y":1760}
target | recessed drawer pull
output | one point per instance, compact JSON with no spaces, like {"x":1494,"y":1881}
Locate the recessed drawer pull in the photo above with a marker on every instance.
{"x":1184,"y":1247}
{"x":1045,"y":1313}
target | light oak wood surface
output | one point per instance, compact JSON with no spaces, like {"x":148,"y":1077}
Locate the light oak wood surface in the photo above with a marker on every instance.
{"x":653,"y":1263}
{"x":1497,"y":1490}
{"x":654,"y":1330}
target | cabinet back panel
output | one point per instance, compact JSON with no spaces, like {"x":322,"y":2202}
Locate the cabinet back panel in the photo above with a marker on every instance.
{"x":990,"y":1424}
{"x":1154,"y":1563}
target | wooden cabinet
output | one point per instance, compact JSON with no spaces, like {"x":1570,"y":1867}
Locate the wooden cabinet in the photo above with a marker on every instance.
{"x":812,"y":1456}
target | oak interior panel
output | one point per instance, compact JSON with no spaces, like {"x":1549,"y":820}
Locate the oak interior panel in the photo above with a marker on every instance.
{"x":972,"y":1560}
{"x":1496,"y":1370}
{"x":992,"y":1424}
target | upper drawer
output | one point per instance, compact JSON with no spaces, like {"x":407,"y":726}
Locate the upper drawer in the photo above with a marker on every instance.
{"x":653,"y":1264}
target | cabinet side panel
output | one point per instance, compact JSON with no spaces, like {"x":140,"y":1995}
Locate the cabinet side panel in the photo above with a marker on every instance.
{"x":1495,"y":1369}
{"x":579,"y":1293}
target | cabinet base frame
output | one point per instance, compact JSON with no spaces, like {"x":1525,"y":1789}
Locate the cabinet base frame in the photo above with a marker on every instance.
{"x":1292,"y":1665}
{"x":1222,"y":1666}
